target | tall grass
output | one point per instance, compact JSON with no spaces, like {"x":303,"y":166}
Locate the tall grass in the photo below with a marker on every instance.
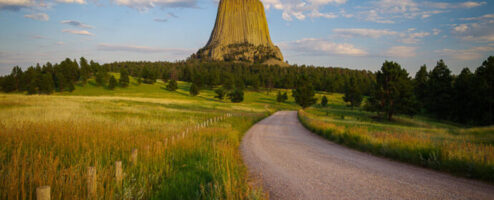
{"x":457,"y":150}
{"x":52,"y":140}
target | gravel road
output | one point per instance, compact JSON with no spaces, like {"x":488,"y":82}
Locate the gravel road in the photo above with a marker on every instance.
{"x":293,"y":163}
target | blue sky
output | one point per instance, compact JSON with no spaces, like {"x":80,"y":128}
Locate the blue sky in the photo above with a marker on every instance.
{"x":342,"y":33}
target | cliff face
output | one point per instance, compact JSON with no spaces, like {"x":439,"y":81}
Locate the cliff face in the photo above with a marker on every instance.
{"x":240,"y":33}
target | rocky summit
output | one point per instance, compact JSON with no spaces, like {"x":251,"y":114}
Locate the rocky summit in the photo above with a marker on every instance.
{"x":241,"y":34}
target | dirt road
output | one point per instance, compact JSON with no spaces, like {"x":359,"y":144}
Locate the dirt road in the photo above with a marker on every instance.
{"x":293,"y":163}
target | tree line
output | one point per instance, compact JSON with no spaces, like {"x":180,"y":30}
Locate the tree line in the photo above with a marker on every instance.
{"x":465,"y":98}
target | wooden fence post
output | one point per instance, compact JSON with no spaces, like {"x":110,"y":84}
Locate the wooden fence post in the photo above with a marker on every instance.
{"x":118,"y":172}
{"x":133,"y":157}
{"x":92,"y":184}
{"x":43,"y":193}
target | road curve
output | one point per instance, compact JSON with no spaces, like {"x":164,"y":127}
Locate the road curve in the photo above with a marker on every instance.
{"x":293,"y":163}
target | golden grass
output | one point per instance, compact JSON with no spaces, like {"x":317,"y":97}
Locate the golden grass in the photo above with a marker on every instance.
{"x":52,"y":140}
{"x":439,"y":148}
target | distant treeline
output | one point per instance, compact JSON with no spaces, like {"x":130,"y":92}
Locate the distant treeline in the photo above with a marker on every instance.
{"x":466,"y":98}
{"x":210,"y":74}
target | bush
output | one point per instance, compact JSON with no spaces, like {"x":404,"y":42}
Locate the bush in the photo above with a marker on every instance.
{"x":172,"y":85}
{"x":236,"y":96}
{"x":194,"y":90}
{"x":113,"y":83}
{"x":220,"y":93}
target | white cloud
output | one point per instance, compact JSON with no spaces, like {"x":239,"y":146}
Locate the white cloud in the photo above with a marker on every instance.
{"x":363,"y":32}
{"x":316,"y":14}
{"x":38,"y":16}
{"x":445,"y":5}
{"x":78,"y":32}
{"x":474,"y":53}
{"x":401,"y":52}
{"x":415,"y":37}
{"x":409,"y":37}
{"x":486,"y":16}
{"x":16,"y":5}
{"x":323,"y":47}
{"x":72,"y":1}
{"x":76,"y":24}
{"x":143,"y":5}
{"x":300,"y":9}
{"x":436,"y":31}
{"x":142,"y":49}
{"x":461,"y":28}
{"x":390,"y":11}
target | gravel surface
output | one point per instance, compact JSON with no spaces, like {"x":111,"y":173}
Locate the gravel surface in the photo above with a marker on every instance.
{"x":293,"y":163}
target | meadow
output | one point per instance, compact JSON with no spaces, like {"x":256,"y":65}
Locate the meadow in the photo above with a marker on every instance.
{"x":460,"y":150}
{"x":53,"y":140}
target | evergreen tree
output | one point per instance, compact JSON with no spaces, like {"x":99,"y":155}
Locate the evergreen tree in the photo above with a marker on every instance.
{"x":101,"y":77}
{"x":112,"y":84}
{"x":85,"y":70}
{"x":236,"y":96}
{"x":8,"y":84}
{"x":279,"y":97}
{"x":32,"y":87}
{"x":124,"y":78}
{"x":352,"y":93}
{"x":284,"y":97}
{"x":393,"y":92}
{"x":484,"y":96}
{"x":463,"y":102}
{"x":324,"y":101}
{"x":304,"y":94}
{"x":439,"y":90}
{"x":194,"y":89}
{"x":172,"y":85}
{"x":420,"y":85}
{"x":220,"y":93}
{"x":46,"y":84}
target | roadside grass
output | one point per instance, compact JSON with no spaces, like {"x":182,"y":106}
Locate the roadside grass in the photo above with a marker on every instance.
{"x":52,"y":140}
{"x":463,"y":151}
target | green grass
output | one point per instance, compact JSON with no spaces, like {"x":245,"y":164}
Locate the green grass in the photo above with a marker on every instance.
{"x":51,"y":140}
{"x":450,"y":147}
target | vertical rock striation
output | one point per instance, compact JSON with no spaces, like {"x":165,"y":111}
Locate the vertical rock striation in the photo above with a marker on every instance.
{"x":240,"y":34}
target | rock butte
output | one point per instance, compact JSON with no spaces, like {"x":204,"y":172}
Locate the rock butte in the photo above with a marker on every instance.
{"x":241,"y":34}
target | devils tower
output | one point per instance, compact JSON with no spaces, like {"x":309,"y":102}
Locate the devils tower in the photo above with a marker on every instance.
{"x":240,"y":34}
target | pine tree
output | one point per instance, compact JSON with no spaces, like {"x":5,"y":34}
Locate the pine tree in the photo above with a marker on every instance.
{"x":304,"y":94}
{"x":420,"y":85}
{"x":220,"y":93}
{"x":393,"y":92}
{"x":124,"y":78}
{"x":85,"y":70}
{"x":101,"y":77}
{"x":172,"y":85}
{"x":46,"y":84}
{"x":279,"y":97}
{"x":352,"y":93}
{"x":112,"y":83}
{"x":324,"y":101}
{"x":236,"y":96}
{"x":439,"y":91}
{"x":194,"y":89}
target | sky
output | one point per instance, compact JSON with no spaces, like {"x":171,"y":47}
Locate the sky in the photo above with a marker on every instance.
{"x":352,"y":34}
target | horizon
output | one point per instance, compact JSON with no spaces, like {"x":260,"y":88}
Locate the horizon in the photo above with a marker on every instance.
{"x":331,"y":33}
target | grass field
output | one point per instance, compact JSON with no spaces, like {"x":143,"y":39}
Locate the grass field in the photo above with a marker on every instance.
{"x":52,"y":140}
{"x":444,"y":146}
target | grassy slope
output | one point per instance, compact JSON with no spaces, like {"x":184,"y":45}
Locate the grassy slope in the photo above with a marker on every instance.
{"x":445,"y":146}
{"x":51,"y":140}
